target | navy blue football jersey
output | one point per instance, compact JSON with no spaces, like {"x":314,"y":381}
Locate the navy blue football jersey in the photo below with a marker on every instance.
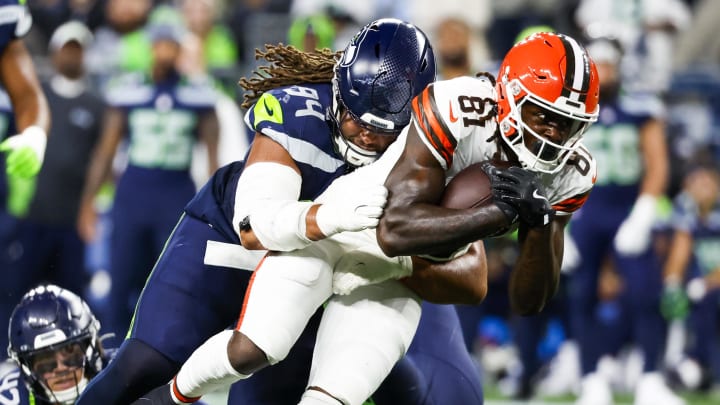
{"x":614,"y":141}
{"x":162,"y":118}
{"x":704,"y":231}
{"x":15,"y":21}
{"x":294,"y":117}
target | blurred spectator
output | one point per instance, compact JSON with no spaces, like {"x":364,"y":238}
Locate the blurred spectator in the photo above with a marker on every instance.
{"x":255,"y":23}
{"x":48,"y":15}
{"x":312,"y":32}
{"x":510,"y":17}
{"x":120,"y":44}
{"x":215,"y":51}
{"x":49,"y":247}
{"x":162,"y":115}
{"x":647,"y":31}
{"x":700,"y":43}
{"x":452,"y":47}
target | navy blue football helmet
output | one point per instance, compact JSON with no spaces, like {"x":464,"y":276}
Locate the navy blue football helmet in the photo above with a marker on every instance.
{"x":383,"y":67}
{"x":53,"y":335}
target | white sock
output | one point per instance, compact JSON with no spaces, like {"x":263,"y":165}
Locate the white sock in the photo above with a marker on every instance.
{"x":315,"y":397}
{"x":207,"y":370}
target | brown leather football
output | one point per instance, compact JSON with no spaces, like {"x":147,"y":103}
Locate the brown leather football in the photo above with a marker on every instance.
{"x":469,"y":188}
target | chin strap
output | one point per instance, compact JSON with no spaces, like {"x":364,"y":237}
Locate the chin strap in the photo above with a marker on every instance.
{"x":68,"y":395}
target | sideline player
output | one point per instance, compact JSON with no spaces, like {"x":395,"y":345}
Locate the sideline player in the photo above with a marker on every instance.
{"x":55,"y":345}
{"x":22,"y":154}
{"x":161,"y":114}
{"x":546,"y":96}
{"x":202,"y":269}
{"x":629,"y":144}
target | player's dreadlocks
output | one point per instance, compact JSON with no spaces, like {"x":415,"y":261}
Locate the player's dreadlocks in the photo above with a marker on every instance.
{"x":288,"y":66}
{"x":487,"y":102}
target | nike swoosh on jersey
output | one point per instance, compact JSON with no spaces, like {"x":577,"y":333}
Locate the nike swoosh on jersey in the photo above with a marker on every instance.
{"x":453,"y":118}
{"x":268,"y":110}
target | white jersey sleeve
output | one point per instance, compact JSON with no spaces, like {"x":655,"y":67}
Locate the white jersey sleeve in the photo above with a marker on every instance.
{"x":568,"y":189}
{"x":449,"y":113}
{"x":455,"y":120}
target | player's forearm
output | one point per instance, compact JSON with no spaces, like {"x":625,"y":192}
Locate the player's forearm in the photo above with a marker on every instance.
{"x":424,"y":229}
{"x":535,"y":277}
{"x":654,"y":152}
{"x":20,"y":80}
{"x":678,"y":257}
{"x":459,"y":281}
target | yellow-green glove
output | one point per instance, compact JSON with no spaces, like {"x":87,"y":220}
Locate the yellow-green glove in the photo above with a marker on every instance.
{"x":24,"y":152}
{"x":20,"y":192}
{"x":674,"y":303}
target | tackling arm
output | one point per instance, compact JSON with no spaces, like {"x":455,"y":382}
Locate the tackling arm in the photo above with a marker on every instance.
{"x":535,"y":276}
{"x":413,"y":222}
{"x":459,"y":281}
{"x":278,"y":221}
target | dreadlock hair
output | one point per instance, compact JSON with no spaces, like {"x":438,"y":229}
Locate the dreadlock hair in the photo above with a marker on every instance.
{"x":288,"y":66}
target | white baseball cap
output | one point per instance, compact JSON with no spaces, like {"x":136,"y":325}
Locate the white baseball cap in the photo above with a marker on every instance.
{"x":70,"y":31}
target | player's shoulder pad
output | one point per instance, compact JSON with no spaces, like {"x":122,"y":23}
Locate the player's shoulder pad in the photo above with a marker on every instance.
{"x":12,"y":388}
{"x":287,"y":109}
{"x":571,"y":186}
{"x":642,"y":104}
{"x":197,"y":91}
{"x":449,"y":110}
{"x":128,"y":89}
{"x":16,"y":13}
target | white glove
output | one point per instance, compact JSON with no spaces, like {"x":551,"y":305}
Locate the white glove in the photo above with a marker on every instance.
{"x":368,"y":265}
{"x":571,"y":255}
{"x":360,"y":210}
{"x":633,"y":236}
{"x":696,"y":289}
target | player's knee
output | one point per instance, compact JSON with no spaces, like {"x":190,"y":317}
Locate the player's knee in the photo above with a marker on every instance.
{"x":244,"y":355}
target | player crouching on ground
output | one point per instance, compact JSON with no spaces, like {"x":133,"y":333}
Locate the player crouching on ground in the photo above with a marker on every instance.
{"x":55,"y":343}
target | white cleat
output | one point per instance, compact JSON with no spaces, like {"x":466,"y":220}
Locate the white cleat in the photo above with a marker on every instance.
{"x":595,"y":390}
{"x":652,"y":390}
{"x":564,"y":374}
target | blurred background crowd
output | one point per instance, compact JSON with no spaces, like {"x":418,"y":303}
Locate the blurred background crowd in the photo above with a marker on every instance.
{"x":90,"y":224}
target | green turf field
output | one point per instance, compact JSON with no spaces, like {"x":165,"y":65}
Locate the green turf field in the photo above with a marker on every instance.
{"x":493,"y":397}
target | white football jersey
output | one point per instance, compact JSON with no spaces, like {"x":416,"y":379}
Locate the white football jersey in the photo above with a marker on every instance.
{"x":450,"y":116}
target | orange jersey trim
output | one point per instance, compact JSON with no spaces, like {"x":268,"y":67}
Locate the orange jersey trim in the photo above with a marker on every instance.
{"x":247,"y":293}
{"x":180,"y":396}
{"x":432,"y":126}
{"x":571,"y":204}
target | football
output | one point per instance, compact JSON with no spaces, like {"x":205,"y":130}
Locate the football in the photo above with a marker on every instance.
{"x":468,"y":189}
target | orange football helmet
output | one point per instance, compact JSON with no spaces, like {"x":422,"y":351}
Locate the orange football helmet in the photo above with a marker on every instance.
{"x":554,"y":72}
